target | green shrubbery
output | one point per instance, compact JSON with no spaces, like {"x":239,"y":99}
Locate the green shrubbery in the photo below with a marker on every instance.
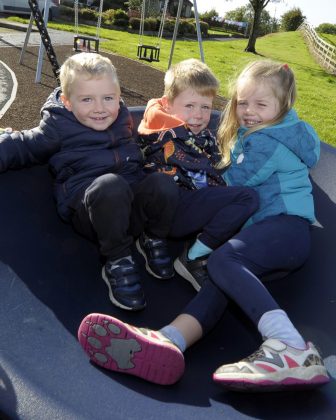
{"x":327,"y":28}
{"x":120,"y":18}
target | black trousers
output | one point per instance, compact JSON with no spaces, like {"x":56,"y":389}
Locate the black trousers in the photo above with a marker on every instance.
{"x":113,"y":213}
{"x":215,"y":214}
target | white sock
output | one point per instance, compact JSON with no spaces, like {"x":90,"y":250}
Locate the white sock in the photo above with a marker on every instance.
{"x":276,"y":324}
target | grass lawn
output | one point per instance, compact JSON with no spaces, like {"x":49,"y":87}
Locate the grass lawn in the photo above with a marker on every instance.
{"x":316,"y":101}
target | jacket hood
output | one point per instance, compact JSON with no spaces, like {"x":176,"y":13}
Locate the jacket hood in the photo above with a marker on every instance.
{"x":298,"y":136}
{"x":156,"y":119}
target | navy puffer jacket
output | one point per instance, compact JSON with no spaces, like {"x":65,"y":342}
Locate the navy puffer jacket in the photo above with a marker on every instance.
{"x":76,"y":154}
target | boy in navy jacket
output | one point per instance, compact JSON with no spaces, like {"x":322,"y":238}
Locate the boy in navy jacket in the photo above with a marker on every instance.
{"x":85,"y":135}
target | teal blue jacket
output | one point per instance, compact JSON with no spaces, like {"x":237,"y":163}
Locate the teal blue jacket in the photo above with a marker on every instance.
{"x":275,"y":161}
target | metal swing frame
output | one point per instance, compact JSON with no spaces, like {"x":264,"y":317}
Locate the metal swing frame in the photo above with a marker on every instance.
{"x":147,"y":52}
{"x":86,"y":43}
{"x":152,"y":53}
{"x":45,"y":44}
{"x":198,"y":30}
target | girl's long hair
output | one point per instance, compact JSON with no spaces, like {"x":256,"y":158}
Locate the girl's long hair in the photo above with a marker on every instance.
{"x":281,"y":80}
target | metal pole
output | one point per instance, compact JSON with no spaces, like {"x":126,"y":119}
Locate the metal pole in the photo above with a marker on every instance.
{"x":26,"y":38}
{"x":198,"y":30}
{"x":177,"y":21}
{"x":41,"y":49}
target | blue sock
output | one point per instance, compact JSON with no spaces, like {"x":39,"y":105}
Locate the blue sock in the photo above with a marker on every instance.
{"x":175,"y":336}
{"x":199,"y":249}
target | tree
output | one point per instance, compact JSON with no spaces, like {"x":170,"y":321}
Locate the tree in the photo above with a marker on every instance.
{"x":210,"y":17}
{"x":245,"y":14}
{"x":133,"y":4}
{"x":258,"y":6}
{"x":292,"y":19}
{"x":240,"y":14}
{"x":326,"y":28}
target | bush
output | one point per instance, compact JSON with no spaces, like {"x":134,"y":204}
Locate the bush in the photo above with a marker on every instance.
{"x":204,"y":27}
{"x":326,"y":28}
{"x":123,"y":23}
{"x":121,"y":14}
{"x":87,"y":14}
{"x":67,"y":12}
{"x":169,"y":25}
{"x":292,"y":19}
{"x":186,"y":27}
{"x":67,"y":3}
{"x":134,"y":23}
{"x":153,"y":24}
{"x":108,"y":16}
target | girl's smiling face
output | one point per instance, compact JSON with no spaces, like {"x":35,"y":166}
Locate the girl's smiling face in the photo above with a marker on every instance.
{"x":256,"y":103}
{"x":94,"y":101}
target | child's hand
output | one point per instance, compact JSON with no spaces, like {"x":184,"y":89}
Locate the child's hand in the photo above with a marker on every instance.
{"x":7,"y":130}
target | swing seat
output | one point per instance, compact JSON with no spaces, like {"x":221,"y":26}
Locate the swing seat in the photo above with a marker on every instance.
{"x":148,"y":53}
{"x":83,"y":43}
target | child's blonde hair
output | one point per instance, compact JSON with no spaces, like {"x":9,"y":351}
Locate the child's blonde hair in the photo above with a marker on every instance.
{"x":279,"y":77}
{"x":91,"y":65}
{"x":192,"y":74}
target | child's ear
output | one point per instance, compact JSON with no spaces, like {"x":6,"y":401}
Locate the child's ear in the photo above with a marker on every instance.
{"x":165,"y":103}
{"x":66,"y":102}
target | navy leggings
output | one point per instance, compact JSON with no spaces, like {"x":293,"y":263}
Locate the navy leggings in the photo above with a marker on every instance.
{"x":275,"y":245}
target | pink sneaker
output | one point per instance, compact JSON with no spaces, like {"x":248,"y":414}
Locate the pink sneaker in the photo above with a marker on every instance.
{"x":120,"y":347}
{"x":274,"y":366}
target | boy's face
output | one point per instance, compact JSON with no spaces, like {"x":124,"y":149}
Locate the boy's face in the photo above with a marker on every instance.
{"x":192,"y":108}
{"x":94,"y":101}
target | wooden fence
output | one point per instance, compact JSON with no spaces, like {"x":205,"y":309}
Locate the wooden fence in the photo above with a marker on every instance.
{"x":324,"y":52}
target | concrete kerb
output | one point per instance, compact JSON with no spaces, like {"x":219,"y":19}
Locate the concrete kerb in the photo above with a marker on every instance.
{"x":4,"y":23}
{"x":8,"y":87}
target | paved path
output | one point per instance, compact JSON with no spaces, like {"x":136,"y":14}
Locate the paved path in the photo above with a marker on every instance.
{"x":13,"y":34}
{"x":12,"y":38}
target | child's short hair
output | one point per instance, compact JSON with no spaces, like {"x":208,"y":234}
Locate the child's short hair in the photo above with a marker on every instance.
{"x":91,"y":65}
{"x":192,"y":74}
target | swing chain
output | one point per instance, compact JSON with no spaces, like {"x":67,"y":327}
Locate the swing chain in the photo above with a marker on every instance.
{"x":154,"y":50}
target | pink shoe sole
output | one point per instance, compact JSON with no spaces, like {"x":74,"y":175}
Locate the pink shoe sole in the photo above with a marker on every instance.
{"x":119,"y":347}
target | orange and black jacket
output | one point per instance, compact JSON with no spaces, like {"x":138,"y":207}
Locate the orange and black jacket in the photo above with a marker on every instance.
{"x":170,"y":147}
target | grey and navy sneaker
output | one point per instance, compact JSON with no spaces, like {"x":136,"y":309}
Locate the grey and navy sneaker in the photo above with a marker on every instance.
{"x":194,"y":271}
{"x":155,"y":252}
{"x":275,"y":366}
{"x":124,"y":284}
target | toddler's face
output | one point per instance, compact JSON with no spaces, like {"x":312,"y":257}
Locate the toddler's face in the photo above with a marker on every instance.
{"x":256,"y":104}
{"x":94,"y":102}
{"x":192,"y":108}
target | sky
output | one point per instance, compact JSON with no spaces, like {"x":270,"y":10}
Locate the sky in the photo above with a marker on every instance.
{"x":316,"y":11}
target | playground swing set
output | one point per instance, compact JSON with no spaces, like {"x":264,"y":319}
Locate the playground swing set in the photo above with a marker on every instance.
{"x":87,"y":43}
{"x":84,"y":43}
{"x":151,"y":53}
{"x":81,"y":42}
